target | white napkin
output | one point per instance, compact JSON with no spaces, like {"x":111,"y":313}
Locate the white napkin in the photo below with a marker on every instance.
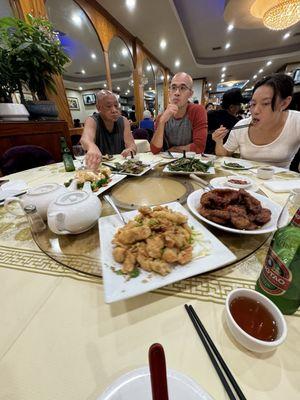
{"x":282,"y":185}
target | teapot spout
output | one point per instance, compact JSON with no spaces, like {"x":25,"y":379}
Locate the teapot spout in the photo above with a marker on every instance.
{"x":73,"y":185}
{"x":87,"y":187}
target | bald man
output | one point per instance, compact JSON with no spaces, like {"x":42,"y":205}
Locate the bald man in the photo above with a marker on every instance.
{"x":106,"y":132}
{"x":183,"y":125}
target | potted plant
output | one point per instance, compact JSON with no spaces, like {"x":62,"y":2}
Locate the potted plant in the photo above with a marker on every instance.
{"x":30,"y":54}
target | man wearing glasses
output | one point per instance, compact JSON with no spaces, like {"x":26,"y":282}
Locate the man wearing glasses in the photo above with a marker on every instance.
{"x":183,"y":125}
{"x":106,"y":132}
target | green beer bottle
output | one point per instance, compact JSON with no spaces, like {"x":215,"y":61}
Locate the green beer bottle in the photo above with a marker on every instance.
{"x":66,"y":155}
{"x":280,"y":276}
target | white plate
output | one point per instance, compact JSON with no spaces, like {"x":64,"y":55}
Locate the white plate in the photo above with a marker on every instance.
{"x":210,"y":171}
{"x":115,"y":178}
{"x":193,"y":202}
{"x":246,"y":164}
{"x":117,"y":288}
{"x":17,"y":186}
{"x":112,"y":164}
{"x":136,"y":385}
{"x":221,"y":183}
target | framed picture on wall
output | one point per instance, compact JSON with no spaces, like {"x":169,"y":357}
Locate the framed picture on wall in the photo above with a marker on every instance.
{"x":89,"y":99}
{"x":73,"y":103}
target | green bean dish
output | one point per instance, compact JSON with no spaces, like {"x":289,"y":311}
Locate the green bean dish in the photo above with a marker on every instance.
{"x":189,"y":165}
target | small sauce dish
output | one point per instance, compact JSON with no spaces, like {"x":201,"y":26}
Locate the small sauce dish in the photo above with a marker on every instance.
{"x":254,"y":320}
{"x":239,"y":182}
{"x":265,"y":172}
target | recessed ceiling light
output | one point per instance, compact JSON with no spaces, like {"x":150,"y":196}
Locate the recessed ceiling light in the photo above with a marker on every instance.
{"x":269,"y":63}
{"x":148,"y":67}
{"x":93,"y":55}
{"x":118,"y":87}
{"x":105,"y":85}
{"x":286,"y":35}
{"x":114,"y":65}
{"x":227,"y":45}
{"x":260,"y":71}
{"x":209,"y":84}
{"x":254,"y":76}
{"x":150,"y":88}
{"x":223,"y":69}
{"x":168,"y":77}
{"x":163,"y":44}
{"x":177,"y":63}
{"x":230,"y":27}
{"x":79,"y":87}
{"x":209,"y":88}
{"x":130,"y":4}
{"x":222,"y":80}
{"x":161,"y":77}
{"x":124,"y":52}
{"x":76,"y":19}
{"x":223,"y":76}
{"x":83,"y":71}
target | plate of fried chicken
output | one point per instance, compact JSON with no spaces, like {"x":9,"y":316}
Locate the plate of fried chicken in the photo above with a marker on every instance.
{"x":235,"y":210}
{"x":156,"y":247}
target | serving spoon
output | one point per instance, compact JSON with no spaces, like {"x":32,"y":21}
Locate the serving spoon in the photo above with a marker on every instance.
{"x":110,"y":201}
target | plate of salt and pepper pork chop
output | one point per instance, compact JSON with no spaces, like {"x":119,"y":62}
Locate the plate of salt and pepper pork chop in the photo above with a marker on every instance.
{"x":235,"y":210}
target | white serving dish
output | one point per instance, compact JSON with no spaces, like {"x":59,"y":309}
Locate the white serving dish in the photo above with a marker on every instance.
{"x":117,"y":288}
{"x":246,"y":340}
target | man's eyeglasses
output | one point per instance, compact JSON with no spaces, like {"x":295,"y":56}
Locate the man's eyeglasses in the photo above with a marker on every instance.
{"x":181,"y":88}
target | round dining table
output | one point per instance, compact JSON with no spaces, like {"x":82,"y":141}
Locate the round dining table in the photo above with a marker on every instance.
{"x":60,"y":340}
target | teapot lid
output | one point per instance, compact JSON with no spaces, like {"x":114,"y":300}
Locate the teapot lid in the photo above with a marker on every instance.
{"x":72,"y":198}
{"x":43,"y":189}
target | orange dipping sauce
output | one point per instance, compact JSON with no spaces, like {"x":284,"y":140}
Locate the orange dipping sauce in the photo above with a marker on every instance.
{"x":254,"y":318}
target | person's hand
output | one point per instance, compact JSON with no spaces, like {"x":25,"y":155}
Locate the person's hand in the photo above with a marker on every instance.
{"x":127,"y":152}
{"x":219,"y":134}
{"x":169,"y":112}
{"x":93,"y":157}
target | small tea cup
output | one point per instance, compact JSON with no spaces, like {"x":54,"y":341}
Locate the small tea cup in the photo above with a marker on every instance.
{"x":265,"y":172}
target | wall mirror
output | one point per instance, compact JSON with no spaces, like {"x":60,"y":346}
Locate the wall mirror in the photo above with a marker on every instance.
{"x":86,"y":73}
{"x":121,"y":67}
{"x":159,"y":85}
{"x":148,"y":83}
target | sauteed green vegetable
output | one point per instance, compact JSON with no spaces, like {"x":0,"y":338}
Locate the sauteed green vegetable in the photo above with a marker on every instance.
{"x":189,"y":165}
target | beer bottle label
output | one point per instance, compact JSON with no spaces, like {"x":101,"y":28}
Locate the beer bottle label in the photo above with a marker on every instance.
{"x":296,"y":219}
{"x":275,"y":278}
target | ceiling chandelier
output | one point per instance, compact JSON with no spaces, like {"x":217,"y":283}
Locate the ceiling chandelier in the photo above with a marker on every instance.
{"x":277,"y":14}
{"x":143,"y":80}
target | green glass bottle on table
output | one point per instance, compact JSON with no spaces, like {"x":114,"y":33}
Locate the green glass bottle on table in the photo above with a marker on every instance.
{"x":280,"y":277}
{"x":66,"y":155}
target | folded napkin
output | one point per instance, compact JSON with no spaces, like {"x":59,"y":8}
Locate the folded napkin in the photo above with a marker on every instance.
{"x":282,"y":185}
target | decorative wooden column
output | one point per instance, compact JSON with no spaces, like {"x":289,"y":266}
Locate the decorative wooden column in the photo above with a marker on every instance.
{"x":37,"y":9}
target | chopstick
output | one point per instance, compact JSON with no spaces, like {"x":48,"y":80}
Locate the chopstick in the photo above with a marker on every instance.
{"x":240,"y":127}
{"x":214,"y":355}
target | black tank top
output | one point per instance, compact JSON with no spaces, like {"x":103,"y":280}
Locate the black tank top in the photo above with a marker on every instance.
{"x":109,"y":142}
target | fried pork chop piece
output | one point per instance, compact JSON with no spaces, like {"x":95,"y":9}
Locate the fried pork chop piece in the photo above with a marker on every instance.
{"x":185,"y":255}
{"x":119,"y":254}
{"x":154,"y":246}
{"x":263,"y":217}
{"x":159,"y":266}
{"x":129,"y":262}
{"x":170,"y":255}
{"x":133,"y":235}
{"x":219,"y":198}
{"x":221,"y":217}
{"x":253,"y":205}
{"x":176,"y":217}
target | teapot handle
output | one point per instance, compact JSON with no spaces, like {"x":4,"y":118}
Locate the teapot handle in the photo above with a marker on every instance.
{"x":9,"y":200}
{"x":58,"y":222}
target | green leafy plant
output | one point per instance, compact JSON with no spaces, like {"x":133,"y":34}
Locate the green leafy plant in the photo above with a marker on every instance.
{"x":30,"y":54}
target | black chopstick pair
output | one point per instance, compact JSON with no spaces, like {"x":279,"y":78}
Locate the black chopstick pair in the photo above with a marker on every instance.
{"x":215,"y":357}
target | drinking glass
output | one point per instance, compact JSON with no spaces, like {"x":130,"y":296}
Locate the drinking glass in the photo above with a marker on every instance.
{"x":79,"y":154}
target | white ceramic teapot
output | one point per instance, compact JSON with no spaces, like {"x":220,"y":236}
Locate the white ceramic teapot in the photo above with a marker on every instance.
{"x":74,"y":212}
{"x":41,"y":196}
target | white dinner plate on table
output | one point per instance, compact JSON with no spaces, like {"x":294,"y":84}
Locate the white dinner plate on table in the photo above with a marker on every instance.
{"x":208,"y":254}
{"x":193,"y":202}
{"x":221,"y":183}
{"x":136,"y":385}
{"x":210,"y":171}
{"x":244,"y":164}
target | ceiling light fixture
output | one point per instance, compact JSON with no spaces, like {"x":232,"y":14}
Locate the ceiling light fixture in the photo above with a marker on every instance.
{"x":79,"y":87}
{"x":118,"y":87}
{"x":177,"y":63}
{"x":254,"y":76}
{"x":148,"y":68}
{"x":209,"y":84}
{"x":130,"y":4}
{"x":223,"y":69}
{"x":286,"y":35}
{"x":260,"y":71}
{"x":269,"y":63}
{"x":105,"y":85}
{"x":223,"y":76}
{"x":76,"y":19}
{"x":222,"y":80}
{"x":114,"y":65}
{"x":277,"y":14}
{"x":150,"y":88}
{"x":93,"y":55}
{"x":161,"y":77}
{"x":230,"y":27}
{"x":83,"y":71}
{"x":227,"y":45}
{"x":163,"y":44}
